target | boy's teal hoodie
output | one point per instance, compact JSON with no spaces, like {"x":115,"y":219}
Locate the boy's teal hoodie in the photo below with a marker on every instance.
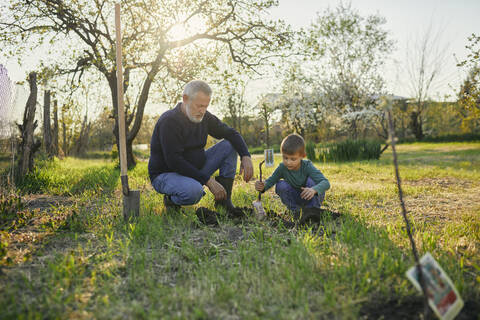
{"x":298,"y":178}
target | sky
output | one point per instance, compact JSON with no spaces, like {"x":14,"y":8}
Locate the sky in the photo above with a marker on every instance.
{"x":455,"y":20}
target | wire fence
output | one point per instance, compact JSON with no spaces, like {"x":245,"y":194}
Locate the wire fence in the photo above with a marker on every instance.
{"x":8,"y":140}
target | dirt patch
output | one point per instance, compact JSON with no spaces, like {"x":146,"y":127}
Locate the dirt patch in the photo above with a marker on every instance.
{"x":444,"y":206}
{"x":44,"y":202}
{"x":410,"y":308}
{"x":442,"y":183}
{"x":35,"y":220}
{"x":207,"y":216}
{"x":392,"y":308}
{"x":234,"y":234}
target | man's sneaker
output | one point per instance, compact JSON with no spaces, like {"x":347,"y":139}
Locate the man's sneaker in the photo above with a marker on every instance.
{"x":169,"y":204}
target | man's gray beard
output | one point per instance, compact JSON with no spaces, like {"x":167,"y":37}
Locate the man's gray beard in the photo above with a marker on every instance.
{"x":190,"y":116}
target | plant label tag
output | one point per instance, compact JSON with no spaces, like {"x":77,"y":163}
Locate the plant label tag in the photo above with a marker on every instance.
{"x":443,"y":297}
{"x":269,"y":162}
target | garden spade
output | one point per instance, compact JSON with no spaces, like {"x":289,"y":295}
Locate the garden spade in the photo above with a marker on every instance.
{"x":131,"y":198}
{"x":257,"y":205}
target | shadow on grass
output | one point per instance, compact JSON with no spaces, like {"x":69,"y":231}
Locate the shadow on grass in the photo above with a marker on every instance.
{"x":352,"y":261}
{"x":167,"y":265}
{"x":363,"y":260}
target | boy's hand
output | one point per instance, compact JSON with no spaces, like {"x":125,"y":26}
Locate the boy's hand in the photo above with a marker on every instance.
{"x":259,"y":185}
{"x":308,"y":193}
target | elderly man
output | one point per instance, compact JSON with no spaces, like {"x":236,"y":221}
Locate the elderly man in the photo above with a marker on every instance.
{"x":179,"y":166}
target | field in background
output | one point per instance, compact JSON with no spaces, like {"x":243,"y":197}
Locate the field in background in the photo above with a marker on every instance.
{"x":70,"y":255}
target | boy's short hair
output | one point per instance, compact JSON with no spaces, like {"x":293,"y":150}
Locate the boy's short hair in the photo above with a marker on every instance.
{"x":292,"y":144}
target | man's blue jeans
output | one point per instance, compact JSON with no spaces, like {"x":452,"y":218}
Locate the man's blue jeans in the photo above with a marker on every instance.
{"x":291,"y":196}
{"x":186,"y":191}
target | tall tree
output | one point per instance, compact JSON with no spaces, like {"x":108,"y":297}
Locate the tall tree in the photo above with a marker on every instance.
{"x":28,"y":145}
{"x":161,"y":39}
{"x":231,"y":85}
{"x":82,"y":137}
{"x":267,"y":105}
{"x":299,"y":102}
{"x":469,"y":93}
{"x":469,"y":100}
{"x":348,"y":52}
{"x":55,"y":128}
{"x":425,"y":58}
{"x":47,"y":131}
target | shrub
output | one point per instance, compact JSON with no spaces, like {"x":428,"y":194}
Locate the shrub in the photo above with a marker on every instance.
{"x":349,"y":150}
{"x":114,"y":152}
{"x":310,"y":150}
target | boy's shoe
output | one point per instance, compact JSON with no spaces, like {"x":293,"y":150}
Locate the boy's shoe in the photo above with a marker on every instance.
{"x":310,"y":215}
{"x":169,"y":204}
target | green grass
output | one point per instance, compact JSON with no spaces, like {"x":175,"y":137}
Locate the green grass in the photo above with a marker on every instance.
{"x":167,"y":265}
{"x":71,"y":176}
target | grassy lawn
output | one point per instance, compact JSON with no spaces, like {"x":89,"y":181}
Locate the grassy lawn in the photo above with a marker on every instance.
{"x":66,"y":252}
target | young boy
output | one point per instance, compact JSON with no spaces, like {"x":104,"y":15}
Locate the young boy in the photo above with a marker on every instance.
{"x":303,"y":185}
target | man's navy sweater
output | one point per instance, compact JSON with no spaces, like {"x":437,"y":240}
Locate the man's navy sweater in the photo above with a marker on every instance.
{"x":178,"y":144}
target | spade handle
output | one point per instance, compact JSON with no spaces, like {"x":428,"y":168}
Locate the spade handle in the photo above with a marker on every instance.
{"x":120,"y":103}
{"x":260,"y":169}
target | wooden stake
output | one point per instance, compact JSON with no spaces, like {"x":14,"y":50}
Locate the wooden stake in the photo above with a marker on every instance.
{"x":131,"y":198}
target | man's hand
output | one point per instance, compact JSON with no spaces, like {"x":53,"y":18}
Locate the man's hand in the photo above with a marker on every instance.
{"x":216,"y":189}
{"x":246,"y":166}
{"x":308,"y":193}
{"x":259,"y":185}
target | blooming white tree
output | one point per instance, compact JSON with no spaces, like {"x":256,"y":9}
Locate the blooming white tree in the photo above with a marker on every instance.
{"x":348,"y":52}
{"x":299,"y":103}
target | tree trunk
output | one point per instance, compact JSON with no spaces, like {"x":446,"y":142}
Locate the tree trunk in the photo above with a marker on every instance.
{"x":239,"y":119}
{"x":416,"y":125}
{"x":28,"y":146}
{"x":267,"y":134}
{"x":47,"y":131}
{"x":384,"y":148}
{"x":55,"y":128}
{"x":130,"y":156}
{"x":80,"y":146}
{"x":64,"y":135}
{"x":353,"y":129}
{"x":142,"y":101}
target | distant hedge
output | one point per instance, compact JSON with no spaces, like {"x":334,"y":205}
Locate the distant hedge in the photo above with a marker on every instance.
{"x":453,"y":138}
{"x":467,"y":137}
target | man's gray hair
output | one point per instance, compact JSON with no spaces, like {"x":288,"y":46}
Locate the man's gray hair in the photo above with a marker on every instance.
{"x":195,"y":86}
